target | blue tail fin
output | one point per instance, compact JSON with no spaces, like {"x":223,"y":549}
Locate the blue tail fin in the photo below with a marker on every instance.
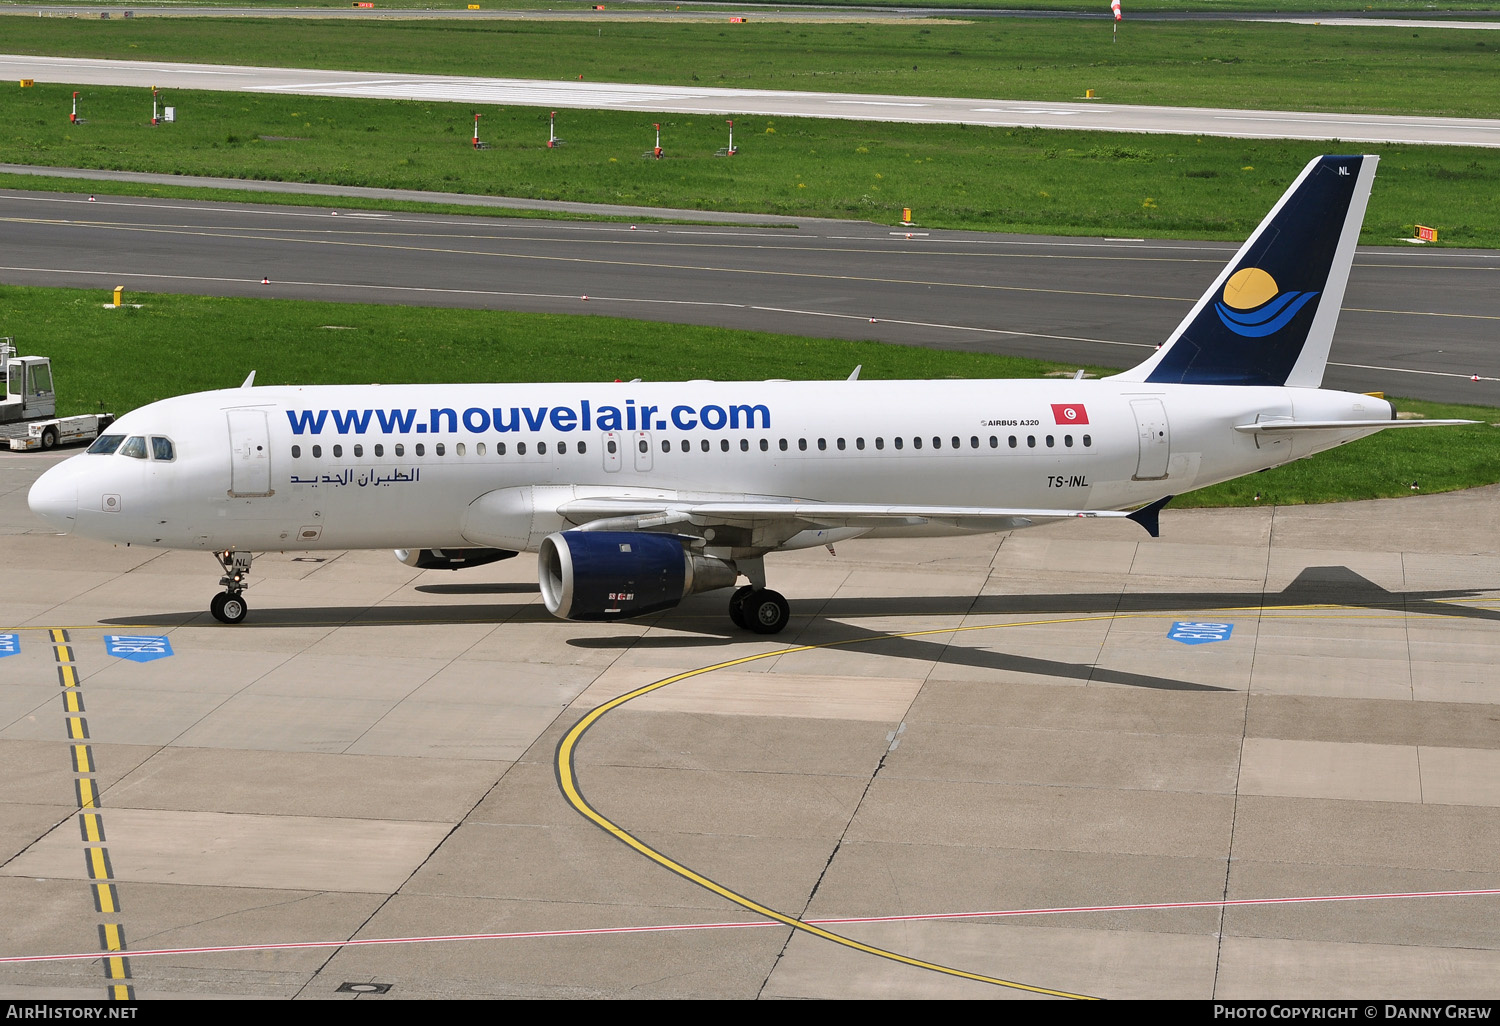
{"x":1269,"y":317}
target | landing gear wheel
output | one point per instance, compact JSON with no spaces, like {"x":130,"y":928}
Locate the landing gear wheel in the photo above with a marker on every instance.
{"x":228,"y":608}
{"x":765,"y":612}
{"x":737,"y":606}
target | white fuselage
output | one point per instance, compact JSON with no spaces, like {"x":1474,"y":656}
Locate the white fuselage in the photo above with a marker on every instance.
{"x":398,"y":466}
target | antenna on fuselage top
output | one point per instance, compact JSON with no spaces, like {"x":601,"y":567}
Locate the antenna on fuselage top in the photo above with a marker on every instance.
{"x":855,"y":376}
{"x":249,"y":381}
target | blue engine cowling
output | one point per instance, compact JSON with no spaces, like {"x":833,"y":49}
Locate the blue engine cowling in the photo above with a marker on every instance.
{"x":614,"y":575}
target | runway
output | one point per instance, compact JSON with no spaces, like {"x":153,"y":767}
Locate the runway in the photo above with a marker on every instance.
{"x":987,"y":766}
{"x":1417,"y":324}
{"x":1092,"y":115}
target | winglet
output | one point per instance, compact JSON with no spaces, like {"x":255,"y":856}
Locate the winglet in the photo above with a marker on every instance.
{"x":249,"y":381}
{"x":1147,"y":516}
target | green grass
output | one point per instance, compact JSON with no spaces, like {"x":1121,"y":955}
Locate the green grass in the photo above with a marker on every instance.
{"x":118,"y":359}
{"x":1220,"y":63}
{"x":1414,"y":7}
{"x":1019,"y":180}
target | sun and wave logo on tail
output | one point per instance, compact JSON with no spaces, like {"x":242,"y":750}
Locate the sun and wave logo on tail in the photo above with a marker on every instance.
{"x":1254,"y":305}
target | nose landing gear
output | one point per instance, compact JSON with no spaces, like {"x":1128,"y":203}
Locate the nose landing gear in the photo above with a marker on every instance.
{"x":229,"y":606}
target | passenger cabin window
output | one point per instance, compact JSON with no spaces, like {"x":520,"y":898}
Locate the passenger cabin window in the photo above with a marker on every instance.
{"x":135,"y":448}
{"x":104,"y":445}
{"x":379,"y":450}
{"x":318,"y":452}
{"x":338,"y":451}
{"x":296,"y":452}
{"x":359,"y":451}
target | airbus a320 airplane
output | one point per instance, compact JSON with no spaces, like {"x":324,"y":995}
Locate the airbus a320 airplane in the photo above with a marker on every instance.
{"x":636,"y":495}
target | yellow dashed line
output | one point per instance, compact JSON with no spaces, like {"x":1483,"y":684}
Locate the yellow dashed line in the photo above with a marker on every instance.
{"x":106,"y":898}
{"x":87,"y":793}
{"x":92,"y":828}
{"x":91,"y":824}
{"x":111,"y":937}
{"x":96,"y":862}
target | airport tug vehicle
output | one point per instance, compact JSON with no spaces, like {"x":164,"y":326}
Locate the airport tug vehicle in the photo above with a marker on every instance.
{"x":28,"y":414}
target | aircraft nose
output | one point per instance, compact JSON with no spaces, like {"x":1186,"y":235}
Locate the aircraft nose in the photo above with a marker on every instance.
{"x":54,"y":498}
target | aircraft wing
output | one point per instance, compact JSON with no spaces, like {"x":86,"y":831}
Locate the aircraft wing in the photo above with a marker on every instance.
{"x":787,"y":517}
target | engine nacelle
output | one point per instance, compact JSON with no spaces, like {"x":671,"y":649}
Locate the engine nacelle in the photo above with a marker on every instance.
{"x":451,"y":559}
{"x":614,"y":575}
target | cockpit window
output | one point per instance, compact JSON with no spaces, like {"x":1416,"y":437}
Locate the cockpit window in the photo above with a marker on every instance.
{"x":135,"y":448}
{"x":161,"y":448}
{"x":106,"y":444}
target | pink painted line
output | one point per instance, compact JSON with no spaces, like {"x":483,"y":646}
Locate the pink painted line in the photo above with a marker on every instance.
{"x":605,"y":931}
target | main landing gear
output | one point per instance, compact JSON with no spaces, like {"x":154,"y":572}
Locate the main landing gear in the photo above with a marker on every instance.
{"x":759,"y":609}
{"x":229,"y":605}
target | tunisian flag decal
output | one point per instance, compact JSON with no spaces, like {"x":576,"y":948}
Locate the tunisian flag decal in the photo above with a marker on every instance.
{"x":1069,"y":413}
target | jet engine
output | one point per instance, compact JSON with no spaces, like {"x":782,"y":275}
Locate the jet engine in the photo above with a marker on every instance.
{"x":614,"y":575}
{"x":451,"y":559}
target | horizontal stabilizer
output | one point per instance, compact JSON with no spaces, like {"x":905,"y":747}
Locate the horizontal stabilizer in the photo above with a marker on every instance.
{"x":1276,"y":427}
